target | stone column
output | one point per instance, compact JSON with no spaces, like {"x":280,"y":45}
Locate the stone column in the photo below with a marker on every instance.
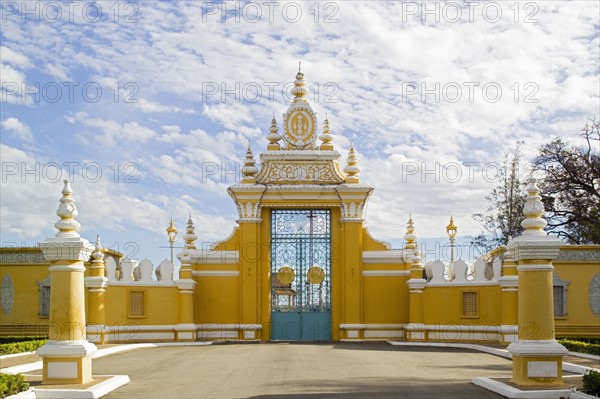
{"x":96,"y":284}
{"x":537,"y":356}
{"x":509,"y":284}
{"x":67,"y":355}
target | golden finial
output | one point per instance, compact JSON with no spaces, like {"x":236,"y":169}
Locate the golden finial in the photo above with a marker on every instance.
{"x":299,"y":91}
{"x":410,"y":237}
{"x":326,"y":137}
{"x":190,"y":237}
{"x":351,"y":169}
{"x":249,"y":171}
{"x":273,"y":136}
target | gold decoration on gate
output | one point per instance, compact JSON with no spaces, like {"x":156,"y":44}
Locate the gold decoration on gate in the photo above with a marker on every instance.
{"x":315,"y":275}
{"x":285,"y":275}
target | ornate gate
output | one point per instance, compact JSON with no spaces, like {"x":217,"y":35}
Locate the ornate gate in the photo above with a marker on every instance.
{"x":300,"y":275}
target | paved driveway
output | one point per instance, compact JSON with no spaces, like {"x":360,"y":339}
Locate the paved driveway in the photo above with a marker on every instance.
{"x":337,"y":370}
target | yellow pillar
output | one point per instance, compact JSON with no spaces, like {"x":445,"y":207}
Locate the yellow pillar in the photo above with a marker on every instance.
{"x":186,"y":328}
{"x":67,"y":355}
{"x":509,"y":284}
{"x":96,"y":284}
{"x":415,"y":330}
{"x":250,"y":253}
{"x":352,"y":278}
{"x":537,"y":356}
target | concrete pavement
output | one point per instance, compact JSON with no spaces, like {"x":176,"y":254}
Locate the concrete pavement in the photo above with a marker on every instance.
{"x":298,"y":370}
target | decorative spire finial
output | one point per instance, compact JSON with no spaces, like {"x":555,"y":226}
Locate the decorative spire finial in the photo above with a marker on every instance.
{"x":533,"y":210}
{"x":410,"y":237}
{"x":67,"y":211}
{"x":351,"y":170}
{"x":97,"y":255}
{"x":299,"y":91}
{"x":190,"y":237}
{"x":249,"y":170}
{"x":326,"y":137}
{"x":274,"y":136}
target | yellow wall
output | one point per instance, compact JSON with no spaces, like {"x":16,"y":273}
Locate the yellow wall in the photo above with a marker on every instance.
{"x":385,"y":299}
{"x":579,"y":321}
{"x":26,"y":308}
{"x":161,"y":304}
{"x":443,"y":306}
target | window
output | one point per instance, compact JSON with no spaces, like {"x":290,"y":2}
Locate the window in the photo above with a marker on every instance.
{"x":136,"y":303}
{"x":44,"y":297}
{"x":470,"y":304}
{"x":559,"y":291}
{"x":559,"y":301}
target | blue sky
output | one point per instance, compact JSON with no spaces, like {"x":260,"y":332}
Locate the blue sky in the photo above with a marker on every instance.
{"x":151,"y":105}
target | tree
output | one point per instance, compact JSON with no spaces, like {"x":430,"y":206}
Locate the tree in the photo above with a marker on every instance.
{"x":502,"y":218}
{"x":571,"y":186}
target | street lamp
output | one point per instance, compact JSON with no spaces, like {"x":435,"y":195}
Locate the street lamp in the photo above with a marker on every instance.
{"x":451,"y":229}
{"x":172,"y":232}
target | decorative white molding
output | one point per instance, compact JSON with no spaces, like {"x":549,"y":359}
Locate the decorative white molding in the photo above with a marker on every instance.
{"x":216,"y":273}
{"x":384,"y":257}
{"x":209,"y":256}
{"x":387,"y":273}
{"x":386,"y":244}
{"x":537,"y":348}
{"x":465,"y":283}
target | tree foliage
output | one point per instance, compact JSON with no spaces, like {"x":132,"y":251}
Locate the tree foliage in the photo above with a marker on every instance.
{"x":571,"y":186}
{"x":502,"y":218}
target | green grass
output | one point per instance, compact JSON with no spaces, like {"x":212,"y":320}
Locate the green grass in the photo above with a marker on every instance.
{"x":12,"y":384}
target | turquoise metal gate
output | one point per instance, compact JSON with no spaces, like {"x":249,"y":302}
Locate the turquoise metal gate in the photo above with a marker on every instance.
{"x":300,"y":275}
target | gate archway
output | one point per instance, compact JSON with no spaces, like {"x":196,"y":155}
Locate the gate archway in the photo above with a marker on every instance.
{"x":301,"y":274}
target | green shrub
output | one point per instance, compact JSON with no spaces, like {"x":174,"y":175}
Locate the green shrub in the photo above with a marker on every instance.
{"x":581,"y":347}
{"x":12,"y":384}
{"x":588,"y":340}
{"x":591,"y":383}
{"x":18,"y":347}
{"x":9,"y":339}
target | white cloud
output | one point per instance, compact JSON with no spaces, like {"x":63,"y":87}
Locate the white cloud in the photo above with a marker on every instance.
{"x":113,"y":131}
{"x":367,"y":57}
{"x":14,"y":58}
{"x":17,"y":129}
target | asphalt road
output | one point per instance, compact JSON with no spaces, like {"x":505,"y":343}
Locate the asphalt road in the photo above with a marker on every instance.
{"x":271,"y":370}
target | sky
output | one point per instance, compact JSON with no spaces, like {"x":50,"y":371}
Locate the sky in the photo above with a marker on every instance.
{"x":148,"y":107}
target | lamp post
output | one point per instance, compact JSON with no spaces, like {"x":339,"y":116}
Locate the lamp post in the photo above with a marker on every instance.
{"x":451,"y":229}
{"x":172,"y":232}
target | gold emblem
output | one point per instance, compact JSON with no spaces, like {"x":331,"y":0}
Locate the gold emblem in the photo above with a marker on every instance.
{"x":315,"y":275}
{"x":300,"y":128}
{"x":285,"y":275}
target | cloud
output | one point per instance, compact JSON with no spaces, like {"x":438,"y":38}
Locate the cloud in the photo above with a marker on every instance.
{"x":113,"y":131}
{"x":358,"y":67}
{"x":17,"y":129}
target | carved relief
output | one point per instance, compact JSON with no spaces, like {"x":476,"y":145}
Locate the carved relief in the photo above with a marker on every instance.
{"x":7,"y":299}
{"x":352,"y":211}
{"x":579,"y":255}
{"x":299,"y":172}
{"x":18,"y":256}
{"x":249,"y":211}
{"x":594,"y":295}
